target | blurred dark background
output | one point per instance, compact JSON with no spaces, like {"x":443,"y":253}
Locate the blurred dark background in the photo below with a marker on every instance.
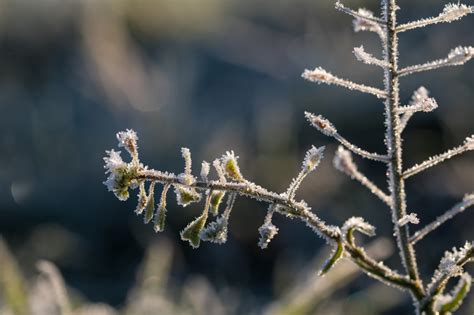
{"x":211,"y":75}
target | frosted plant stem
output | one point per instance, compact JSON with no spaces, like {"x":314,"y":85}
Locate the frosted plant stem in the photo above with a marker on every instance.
{"x":434,"y":160}
{"x":467,"y":202}
{"x":298,"y":209}
{"x":394,"y":146}
{"x":341,"y":7}
{"x":361,"y":178}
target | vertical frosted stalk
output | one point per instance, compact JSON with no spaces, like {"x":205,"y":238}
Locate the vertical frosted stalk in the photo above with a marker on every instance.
{"x":394,"y":146}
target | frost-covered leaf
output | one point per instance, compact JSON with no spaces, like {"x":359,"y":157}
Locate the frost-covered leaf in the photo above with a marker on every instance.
{"x":150,"y":204}
{"x":451,"y":302}
{"x":231,"y":167}
{"x":186,"y":196}
{"x":192,"y":231}
{"x":160,"y":217}
{"x":142,"y":198}
{"x":216,"y":198}
{"x":216,"y":231}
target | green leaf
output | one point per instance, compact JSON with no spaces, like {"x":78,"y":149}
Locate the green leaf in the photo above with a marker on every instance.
{"x":334,"y":258}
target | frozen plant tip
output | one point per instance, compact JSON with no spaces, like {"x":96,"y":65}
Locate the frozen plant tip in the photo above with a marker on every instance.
{"x":229,"y":183}
{"x":312,"y":159}
{"x":231,"y":168}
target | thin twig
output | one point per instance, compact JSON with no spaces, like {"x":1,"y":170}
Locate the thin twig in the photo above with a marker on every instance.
{"x":467,"y":202}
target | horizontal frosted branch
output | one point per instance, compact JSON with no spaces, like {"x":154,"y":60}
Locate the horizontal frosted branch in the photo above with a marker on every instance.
{"x":344,"y":163}
{"x":456,"y":57}
{"x":320,"y":75}
{"x":363,"y":14}
{"x":468,"y":201}
{"x":425,"y":105}
{"x":369,"y":59}
{"x":125,"y":176}
{"x":327,"y":128}
{"x":434,"y":160}
{"x":451,"y":13}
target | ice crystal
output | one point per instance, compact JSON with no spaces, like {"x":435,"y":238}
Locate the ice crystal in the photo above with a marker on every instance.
{"x":408,"y":218}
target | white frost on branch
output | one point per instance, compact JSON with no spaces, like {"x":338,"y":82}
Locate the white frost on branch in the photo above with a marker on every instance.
{"x":343,"y":162}
{"x":418,"y":96}
{"x":426,"y":105}
{"x":408,"y":218}
{"x":434,"y":160}
{"x":456,"y":57}
{"x":451,"y":265}
{"x":319,"y":75}
{"x":267,"y":230}
{"x":311,"y":160}
{"x":468,"y":201}
{"x":327,"y":128}
{"x":359,"y":224}
{"x":369,"y":59}
{"x":469,"y":143}
{"x":451,"y":12}
{"x":364,"y":20}
{"x":128,"y":139}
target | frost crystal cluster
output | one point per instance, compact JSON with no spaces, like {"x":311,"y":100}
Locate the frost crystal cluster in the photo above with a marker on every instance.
{"x":220,"y":192}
